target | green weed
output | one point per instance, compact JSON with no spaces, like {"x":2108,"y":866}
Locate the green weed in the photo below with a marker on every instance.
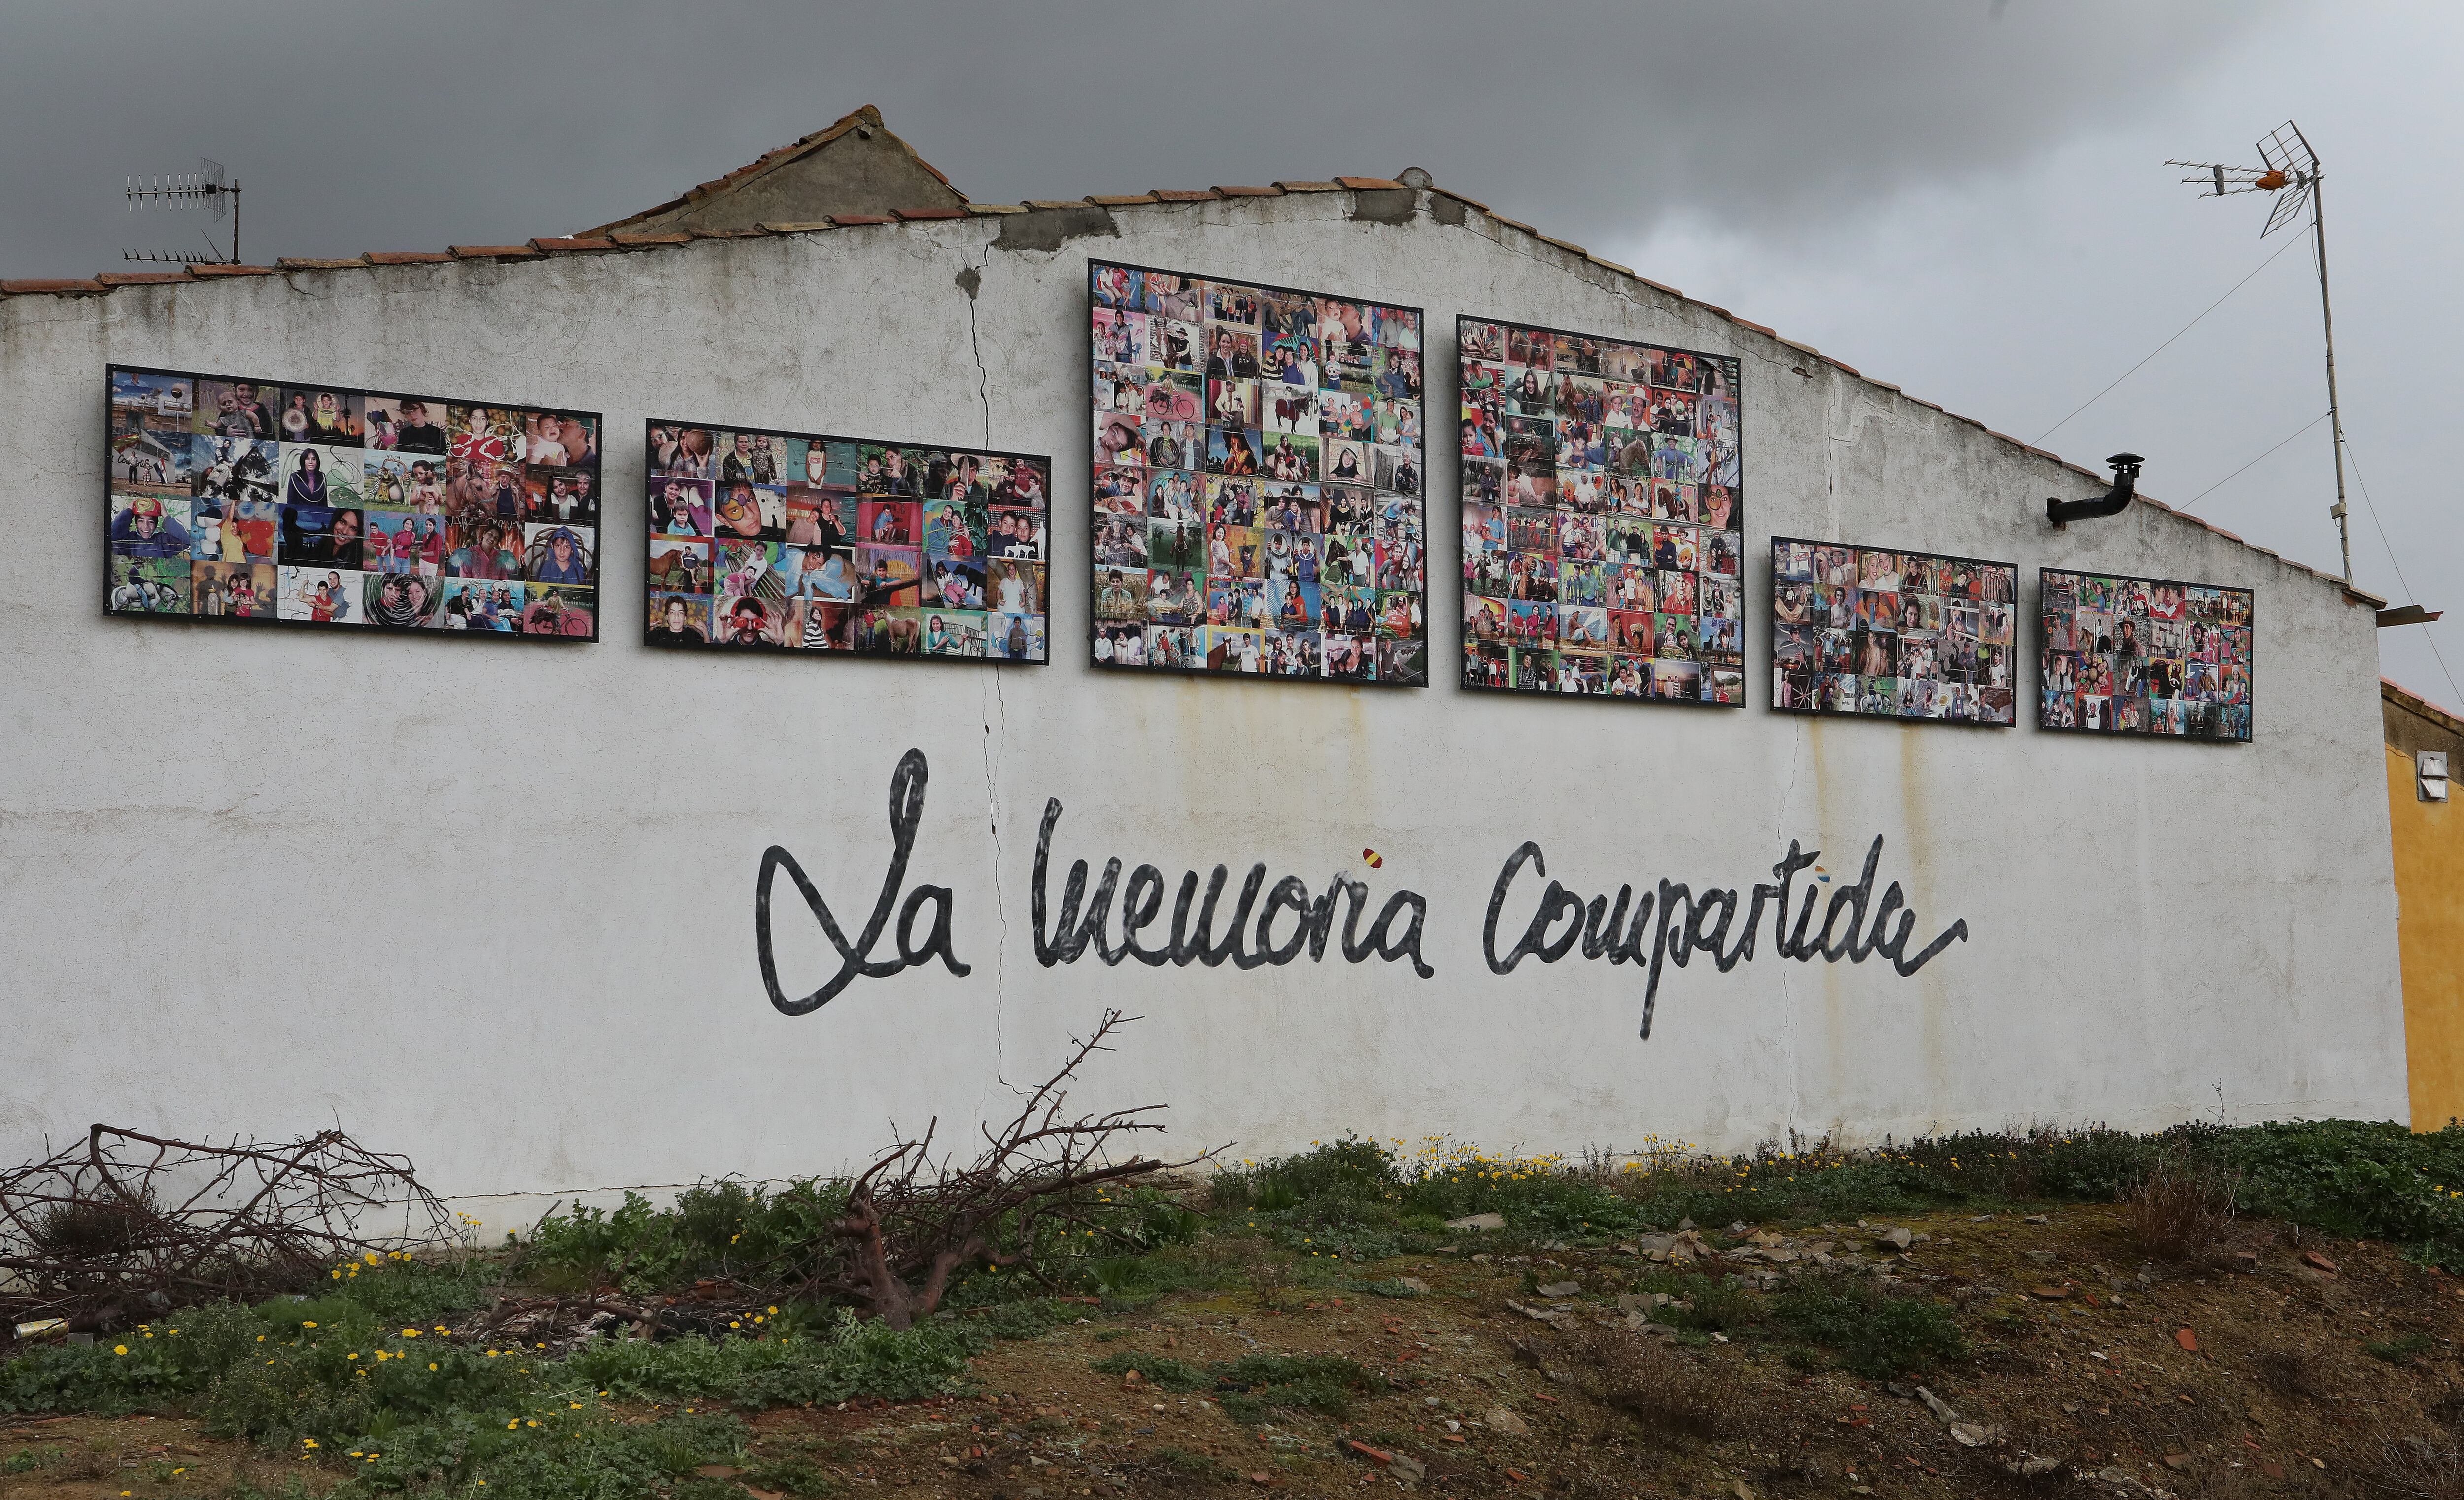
{"x":1875,"y":1335}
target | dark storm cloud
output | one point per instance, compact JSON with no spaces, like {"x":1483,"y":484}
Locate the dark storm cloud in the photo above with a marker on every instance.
{"x":414,"y":127}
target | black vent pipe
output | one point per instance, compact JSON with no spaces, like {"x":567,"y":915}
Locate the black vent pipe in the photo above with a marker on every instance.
{"x":2113,"y":503}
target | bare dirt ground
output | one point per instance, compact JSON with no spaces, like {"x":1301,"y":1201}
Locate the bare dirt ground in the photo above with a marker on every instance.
{"x":2300,"y":1366}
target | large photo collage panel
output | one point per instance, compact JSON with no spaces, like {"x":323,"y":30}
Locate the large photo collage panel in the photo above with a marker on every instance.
{"x":1258,"y":478}
{"x":253,"y":500}
{"x":2145,"y":656}
{"x":1890,"y":635}
{"x":1602,"y":517}
{"x":761,"y":538}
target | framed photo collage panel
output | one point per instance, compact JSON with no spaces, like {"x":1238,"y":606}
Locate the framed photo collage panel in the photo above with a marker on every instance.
{"x":766,"y":540}
{"x":1258,"y":507}
{"x":2145,"y":656}
{"x":1890,"y":635}
{"x":1258,"y":480}
{"x":1602,"y":517}
{"x":256,"y":500}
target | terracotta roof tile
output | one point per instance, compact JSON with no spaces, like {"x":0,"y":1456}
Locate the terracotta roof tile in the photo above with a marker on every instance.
{"x":1841,"y":365}
{"x":1623,"y":271}
{"x":305,"y":263}
{"x":1310,"y":187}
{"x":1120,"y":201}
{"x":699,"y":233}
{"x":405,"y":257}
{"x":1056,"y":203}
{"x":146,"y":278}
{"x":1801,"y":348}
{"x":230,"y":270}
{"x":1720,"y":312}
{"x":1183,"y":195}
{"x":572,"y":245}
{"x":850,"y":220}
{"x":995,"y":210}
{"x":1368,"y":183}
{"x":1660,"y":287}
{"x":806,"y":228}
{"x":1514,"y":224}
{"x":913,"y":214}
{"x":54,"y":286}
{"x":635,"y":239}
{"x":1460,"y":198}
{"x":493,"y":251}
{"x":1223,"y":191}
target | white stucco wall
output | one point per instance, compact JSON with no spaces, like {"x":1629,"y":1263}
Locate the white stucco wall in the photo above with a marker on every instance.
{"x":493,"y":907}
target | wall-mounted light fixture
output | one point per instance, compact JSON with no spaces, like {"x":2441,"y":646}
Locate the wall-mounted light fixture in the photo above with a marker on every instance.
{"x":2126,"y":484}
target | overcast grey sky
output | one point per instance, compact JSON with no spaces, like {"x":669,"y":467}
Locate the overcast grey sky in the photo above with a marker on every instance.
{"x":1966,"y":197}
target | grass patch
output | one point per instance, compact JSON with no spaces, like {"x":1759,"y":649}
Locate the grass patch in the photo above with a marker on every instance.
{"x":1161,"y":1371}
{"x":1875,"y":1335}
{"x":1253,"y":1385}
{"x":2396,"y":1350}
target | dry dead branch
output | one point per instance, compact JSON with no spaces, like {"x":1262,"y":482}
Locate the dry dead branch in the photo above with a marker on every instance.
{"x":912,"y":1223}
{"x":123,"y":1224}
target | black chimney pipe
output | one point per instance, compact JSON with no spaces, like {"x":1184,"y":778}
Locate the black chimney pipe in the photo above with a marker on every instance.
{"x":2113,"y":503}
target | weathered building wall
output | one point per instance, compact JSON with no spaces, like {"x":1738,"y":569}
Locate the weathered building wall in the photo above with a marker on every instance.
{"x":2427,"y":843}
{"x":493,"y":906}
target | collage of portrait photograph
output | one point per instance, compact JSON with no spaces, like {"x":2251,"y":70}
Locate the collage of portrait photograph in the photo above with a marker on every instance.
{"x":1892,"y":635}
{"x":1258,"y":480}
{"x":243,"y":499}
{"x":1602,"y":517}
{"x":808,"y":541}
{"x":2145,"y":656}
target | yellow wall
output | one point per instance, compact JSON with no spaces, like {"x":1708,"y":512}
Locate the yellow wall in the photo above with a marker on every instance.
{"x":2429,"y":843}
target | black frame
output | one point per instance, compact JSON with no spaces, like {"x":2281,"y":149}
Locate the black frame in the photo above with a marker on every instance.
{"x":1745,"y":684}
{"x":713,"y":645}
{"x":1087,"y":327}
{"x":599,"y":572}
{"x":2247,"y":737}
{"x":1771,"y":656}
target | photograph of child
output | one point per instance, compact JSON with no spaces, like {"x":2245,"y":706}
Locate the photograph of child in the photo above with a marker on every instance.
{"x":1257,"y":474}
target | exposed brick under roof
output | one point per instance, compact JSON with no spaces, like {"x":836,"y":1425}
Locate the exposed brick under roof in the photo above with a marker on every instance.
{"x":618,"y":241}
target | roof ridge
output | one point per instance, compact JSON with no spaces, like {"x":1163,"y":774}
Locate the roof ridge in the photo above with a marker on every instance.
{"x":614,"y":239}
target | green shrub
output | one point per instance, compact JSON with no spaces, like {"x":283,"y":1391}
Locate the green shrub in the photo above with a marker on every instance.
{"x":1255,"y":1384}
{"x":851,"y":1358}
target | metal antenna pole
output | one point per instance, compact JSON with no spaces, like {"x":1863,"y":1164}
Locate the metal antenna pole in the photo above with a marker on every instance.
{"x":2291,"y":164}
{"x":2327,"y":325}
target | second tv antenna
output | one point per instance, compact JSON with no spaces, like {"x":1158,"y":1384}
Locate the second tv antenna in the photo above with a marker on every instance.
{"x":202,"y":189}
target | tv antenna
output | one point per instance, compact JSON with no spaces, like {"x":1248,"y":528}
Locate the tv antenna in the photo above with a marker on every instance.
{"x":2292,"y":174}
{"x":202,"y":189}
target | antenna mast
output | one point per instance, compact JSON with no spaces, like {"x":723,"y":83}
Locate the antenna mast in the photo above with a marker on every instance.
{"x":2291,"y":173}
{"x":204,"y":189}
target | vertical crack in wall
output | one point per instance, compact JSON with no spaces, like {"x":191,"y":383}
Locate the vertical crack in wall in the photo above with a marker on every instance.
{"x":971,"y":280}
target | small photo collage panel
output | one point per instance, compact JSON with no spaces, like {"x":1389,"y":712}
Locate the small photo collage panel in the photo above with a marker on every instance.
{"x":1602,"y":517}
{"x":1259,"y":480}
{"x":1892,"y":635}
{"x":2145,"y":656}
{"x":245,"y":499}
{"x":807,"y":541}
